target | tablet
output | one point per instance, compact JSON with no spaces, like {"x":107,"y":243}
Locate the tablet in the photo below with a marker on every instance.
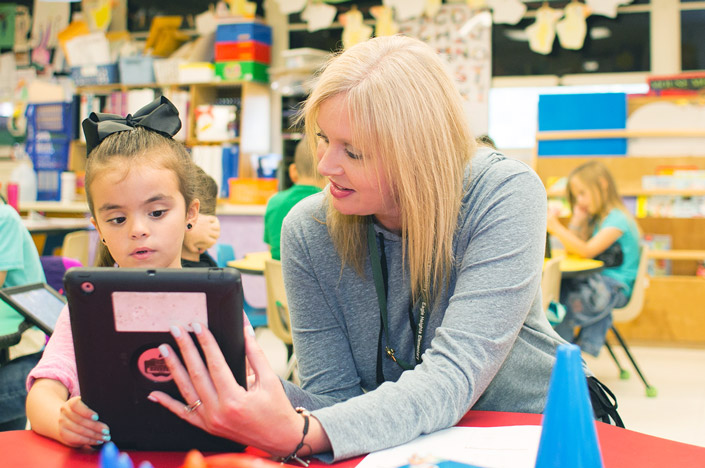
{"x":119,"y":317}
{"x":38,"y":302}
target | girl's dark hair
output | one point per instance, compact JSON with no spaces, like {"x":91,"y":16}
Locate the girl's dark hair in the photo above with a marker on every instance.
{"x":206,"y":190}
{"x":130,"y":150}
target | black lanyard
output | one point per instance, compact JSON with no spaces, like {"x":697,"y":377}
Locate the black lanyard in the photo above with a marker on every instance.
{"x":419,"y":329}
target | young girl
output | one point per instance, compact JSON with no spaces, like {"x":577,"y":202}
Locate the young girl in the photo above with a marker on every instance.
{"x":140,"y":195}
{"x":600,"y":227}
{"x":205,"y":232}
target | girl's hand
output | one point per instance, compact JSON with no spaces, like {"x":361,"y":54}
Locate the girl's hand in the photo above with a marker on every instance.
{"x":261,"y":415}
{"x":79,"y":425}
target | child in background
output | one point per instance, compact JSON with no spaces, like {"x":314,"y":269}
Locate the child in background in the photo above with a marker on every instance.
{"x":19,"y":265}
{"x":600,"y":227}
{"x":206,"y":230}
{"x":140,"y":195}
{"x":306,"y":182}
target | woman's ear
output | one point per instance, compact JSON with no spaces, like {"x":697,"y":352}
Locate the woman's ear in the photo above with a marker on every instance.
{"x":192,"y":212}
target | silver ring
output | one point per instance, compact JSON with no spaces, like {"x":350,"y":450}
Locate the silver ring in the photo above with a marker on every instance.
{"x":192,"y":407}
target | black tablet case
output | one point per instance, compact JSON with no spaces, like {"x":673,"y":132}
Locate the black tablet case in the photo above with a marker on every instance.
{"x":44,"y":317}
{"x":106,"y":360}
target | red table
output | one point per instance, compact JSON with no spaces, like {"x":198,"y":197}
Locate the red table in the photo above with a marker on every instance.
{"x":620,"y":448}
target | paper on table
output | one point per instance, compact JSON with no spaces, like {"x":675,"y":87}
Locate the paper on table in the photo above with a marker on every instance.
{"x":490,"y":447}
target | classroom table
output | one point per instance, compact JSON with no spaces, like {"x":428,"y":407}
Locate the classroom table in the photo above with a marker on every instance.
{"x":252,"y":263}
{"x":573,"y":265}
{"x":620,"y":448}
{"x":48,"y":233}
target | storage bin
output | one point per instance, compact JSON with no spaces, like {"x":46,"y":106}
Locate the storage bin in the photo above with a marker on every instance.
{"x":196,"y":72}
{"x":166,"y":71}
{"x":137,"y":70}
{"x":48,"y":185}
{"x":47,"y":153}
{"x":95,"y":74}
{"x":242,"y":71}
{"x":252,"y":51}
{"x":232,"y":32}
{"x":249,"y":191}
{"x":304,"y":57}
{"x":56,"y":119}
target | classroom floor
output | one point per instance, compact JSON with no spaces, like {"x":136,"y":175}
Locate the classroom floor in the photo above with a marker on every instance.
{"x":677,"y":413}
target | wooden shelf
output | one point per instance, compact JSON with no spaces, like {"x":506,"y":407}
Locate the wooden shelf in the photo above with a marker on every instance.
{"x":618,"y":133}
{"x":677,"y":254}
{"x":643,"y":192}
{"x":193,"y":142}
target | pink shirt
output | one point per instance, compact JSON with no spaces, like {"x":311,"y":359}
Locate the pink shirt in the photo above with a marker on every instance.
{"x":59,"y":359}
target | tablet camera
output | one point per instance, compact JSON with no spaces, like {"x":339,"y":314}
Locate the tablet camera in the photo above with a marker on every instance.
{"x":87,"y":287}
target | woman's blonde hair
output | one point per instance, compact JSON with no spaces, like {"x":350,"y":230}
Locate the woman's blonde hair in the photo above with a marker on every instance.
{"x":405,"y":111}
{"x":599,"y":181}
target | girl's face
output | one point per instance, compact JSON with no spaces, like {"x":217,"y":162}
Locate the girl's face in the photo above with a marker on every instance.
{"x":585,"y":198}
{"x":355,"y":186}
{"x":141,"y":216}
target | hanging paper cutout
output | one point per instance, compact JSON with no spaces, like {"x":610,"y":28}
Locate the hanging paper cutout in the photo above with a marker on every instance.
{"x":385,"y":25}
{"x":476,"y":4}
{"x":318,"y":16}
{"x":573,"y":27}
{"x":47,"y":20}
{"x":288,"y":7}
{"x":354,"y":31}
{"x":507,"y":11}
{"x":406,"y":9}
{"x":242,"y":8}
{"x":606,"y":8}
{"x":432,"y":7}
{"x":543,"y":32}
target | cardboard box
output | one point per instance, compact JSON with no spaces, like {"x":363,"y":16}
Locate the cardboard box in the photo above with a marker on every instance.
{"x":232,"y":32}
{"x":247,"y":51}
{"x":242,"y":71}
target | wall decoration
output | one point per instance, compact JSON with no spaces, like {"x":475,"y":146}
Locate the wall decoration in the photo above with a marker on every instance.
{"x":318,"y":16}
{"x":468,"y":57}
{"x":287,"y":7}
{"x":432,"y":7}
{"x":354,"y":29}
{"x":573,"y":27}
{"x":542,"y":33}
{"x":385,"y":25}
{"x":7,"y":25}
{"x":507,"y":11}
{"x":49,"y":18}
{"x":406,"y":9}
{"x":606,"y":8}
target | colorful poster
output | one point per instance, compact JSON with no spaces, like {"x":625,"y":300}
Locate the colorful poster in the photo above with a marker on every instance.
{"x":469,"y":56}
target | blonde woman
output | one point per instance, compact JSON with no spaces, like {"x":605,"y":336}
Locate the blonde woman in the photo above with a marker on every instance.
{"x":412,"y":279}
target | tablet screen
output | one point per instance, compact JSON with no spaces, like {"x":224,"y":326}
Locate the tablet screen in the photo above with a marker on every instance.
{"x":39,"y":304}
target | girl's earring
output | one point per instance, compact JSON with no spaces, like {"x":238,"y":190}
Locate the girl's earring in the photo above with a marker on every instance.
{"x":189,"y":226}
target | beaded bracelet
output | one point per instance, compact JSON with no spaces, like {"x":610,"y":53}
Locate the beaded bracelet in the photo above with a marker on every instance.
{"x":294,"y":455}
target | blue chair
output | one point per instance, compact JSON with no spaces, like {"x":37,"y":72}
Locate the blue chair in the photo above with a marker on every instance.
{"x":256,"y":315}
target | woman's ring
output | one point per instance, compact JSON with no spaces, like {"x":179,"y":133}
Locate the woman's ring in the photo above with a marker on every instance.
{"x":192,"y":407}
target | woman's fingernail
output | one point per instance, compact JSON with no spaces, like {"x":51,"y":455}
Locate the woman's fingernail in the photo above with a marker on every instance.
{"x":175,"y":331}
{"x":106,"y":431}
{"x":197,"y":328}
{"x":98,"y":442}
{"x":106,"y":438}
{"x":164,"y":350}
{"x":250,"y":330}
{"x":150,"y":397}
{"x":94,"y":416}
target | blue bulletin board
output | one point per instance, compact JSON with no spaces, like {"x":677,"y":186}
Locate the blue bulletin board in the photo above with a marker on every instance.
{"x":603,"y":111}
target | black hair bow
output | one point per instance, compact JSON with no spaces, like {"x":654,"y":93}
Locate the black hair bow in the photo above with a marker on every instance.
{"x":160,"y":116}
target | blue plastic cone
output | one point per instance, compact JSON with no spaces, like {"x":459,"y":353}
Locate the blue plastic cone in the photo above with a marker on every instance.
{"x":568,"y":435}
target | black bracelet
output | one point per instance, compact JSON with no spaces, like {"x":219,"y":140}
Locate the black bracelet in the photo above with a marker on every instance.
{"x":294,"y":455}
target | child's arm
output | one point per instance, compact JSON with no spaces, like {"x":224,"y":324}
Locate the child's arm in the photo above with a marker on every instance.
{"x":590,"y":248}
{"x":70,"y":422}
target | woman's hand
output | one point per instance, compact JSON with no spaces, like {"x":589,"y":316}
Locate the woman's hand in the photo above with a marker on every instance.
{"x":79,"y":425}
{"x":260,"y":415}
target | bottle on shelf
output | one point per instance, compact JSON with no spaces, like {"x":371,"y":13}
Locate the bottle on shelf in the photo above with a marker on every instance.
{"x":24,"y":176}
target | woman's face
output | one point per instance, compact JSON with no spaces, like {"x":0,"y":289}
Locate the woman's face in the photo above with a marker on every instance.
{"x":357,"y":187}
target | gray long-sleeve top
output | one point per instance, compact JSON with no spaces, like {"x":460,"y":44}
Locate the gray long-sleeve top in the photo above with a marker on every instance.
{"x":488,"y":345}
